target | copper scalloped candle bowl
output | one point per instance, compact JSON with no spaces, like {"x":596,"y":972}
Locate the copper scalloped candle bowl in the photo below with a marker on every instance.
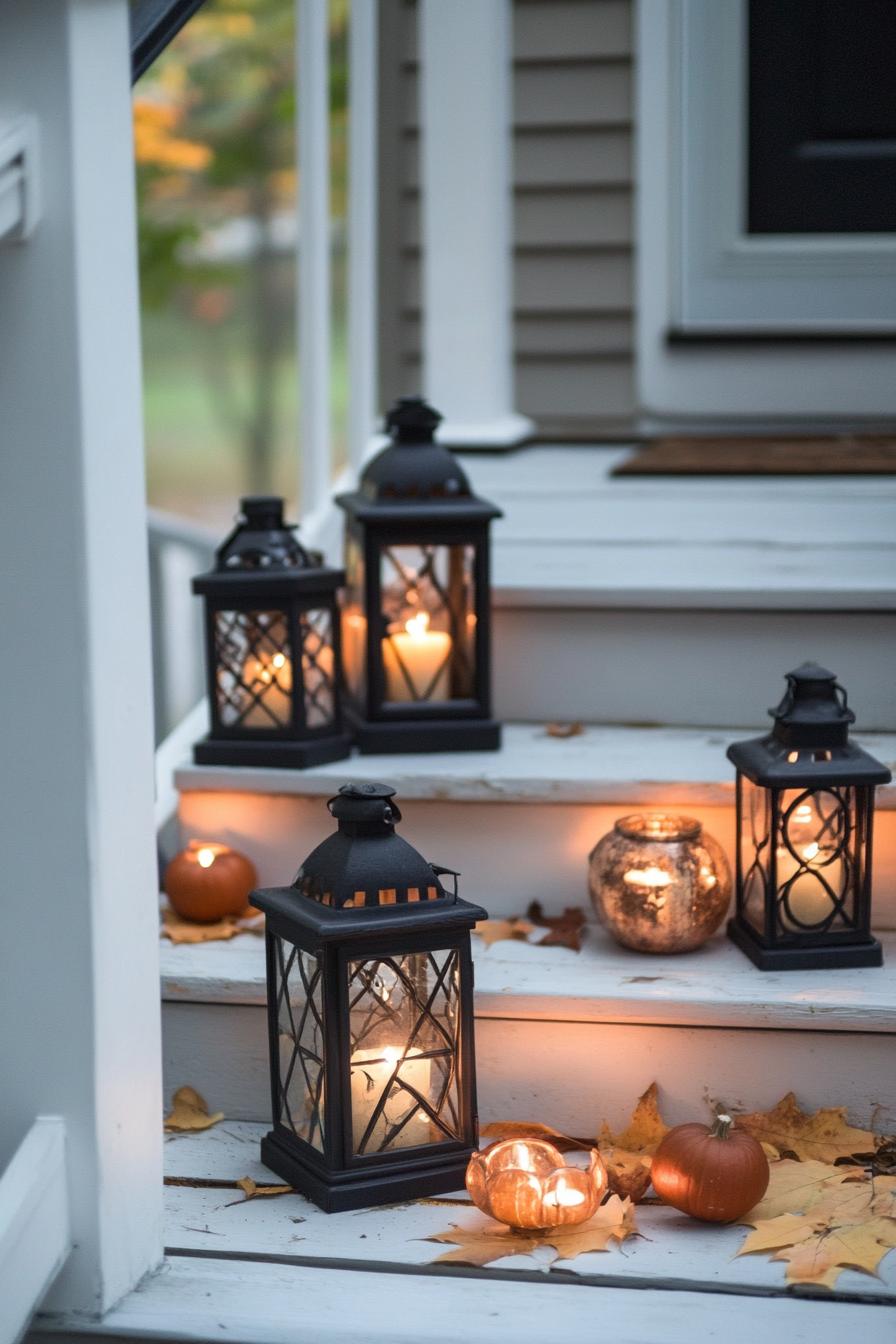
{"x":524,"y":1183}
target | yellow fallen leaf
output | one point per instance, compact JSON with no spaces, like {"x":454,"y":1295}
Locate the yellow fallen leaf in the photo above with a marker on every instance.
{"x":253,"y":1191}
{"x":499,"y":930}
{"x":846,"y":1220}
{"x":794,"y":1186}
{"x":645,"y":1129}
{"x":824,"y":1135}
{"x":564,"y":729}
{"x":486,"y":1240}
{"x":822,"y":1258}
{"x":190,"y":1112}
{"x":532,"y":1129}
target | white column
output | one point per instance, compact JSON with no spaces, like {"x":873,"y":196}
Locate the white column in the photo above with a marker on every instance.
{"x":313,"y":112}
{"x":362,"y":231}
{"x":465,"y":99}
{"x":79,"y":986}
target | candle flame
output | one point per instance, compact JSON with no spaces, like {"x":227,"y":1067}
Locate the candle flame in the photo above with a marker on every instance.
{"x":391,"y":1054}
{"x":279,"y":659}
{"x":205,"y":857}
{"x":811,"y":851}
{"x":803,"y":813}
{"x":647,"y":877}
{"x":418,"y":625}
{"x":563,"y":1195}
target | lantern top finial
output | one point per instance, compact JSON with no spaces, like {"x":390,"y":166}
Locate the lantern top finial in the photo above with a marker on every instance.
{"x":412,"y":420}
{"x":261,"y":540}
{"x":813,"y":711}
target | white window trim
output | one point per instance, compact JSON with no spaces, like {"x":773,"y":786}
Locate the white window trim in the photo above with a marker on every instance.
{"x":714,"y":383}
{"x":727,"y":279}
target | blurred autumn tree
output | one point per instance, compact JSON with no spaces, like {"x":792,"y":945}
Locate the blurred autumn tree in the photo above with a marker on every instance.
{"x":214,"y":125}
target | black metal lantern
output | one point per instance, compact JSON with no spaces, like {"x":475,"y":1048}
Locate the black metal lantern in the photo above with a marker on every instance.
{"x":272,"y":647}
{"x":370,"y":1016}
{"x":805,"y":806}
{"x":417,"y":617}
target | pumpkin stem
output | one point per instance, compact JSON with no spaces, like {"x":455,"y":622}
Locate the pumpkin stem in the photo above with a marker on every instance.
{"x":721,"y":1126}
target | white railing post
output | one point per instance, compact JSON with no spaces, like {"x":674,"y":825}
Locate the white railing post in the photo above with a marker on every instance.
{"x":35,"y":1227}
{"x":79,"y":971}
{"x":362,"y":230}
{"x":313,"y":113}
{"x":465,"y":100}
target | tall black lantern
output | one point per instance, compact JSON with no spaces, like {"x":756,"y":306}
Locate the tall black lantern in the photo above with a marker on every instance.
{"x":805,"y":806}
{"x":370,"y":1016}
{"x":272,"y":647}
{"x":417,"y":617}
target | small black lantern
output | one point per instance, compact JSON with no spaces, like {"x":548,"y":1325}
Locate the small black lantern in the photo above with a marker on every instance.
{"x":272,"y":647}
{"x":370,"y":1016}
{"x":805,"y":806}
{"x":417,"y":617}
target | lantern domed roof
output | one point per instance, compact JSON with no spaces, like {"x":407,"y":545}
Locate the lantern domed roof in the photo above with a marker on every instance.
{"x":414,"y":466}
{"x":262,"y":540}
{"x":365,"y":863}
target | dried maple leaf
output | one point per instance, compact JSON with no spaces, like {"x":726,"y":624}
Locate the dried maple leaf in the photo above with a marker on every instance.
{"x":564,"y":729}
{"x":628,"y":1174}
{"x":823,"y":1136}
{"x":190,"y":1112}
{"x":253,"y":1191}
{"x":487,"y":1241}
{"x":843,"y":1221}
{"x":566,"y":930}
{"x":822,"y":1258}
{"x":499,"y":930}
{"x":185,"y":931}
{"x":645,"y":1129}
{"x":794,"y":1186}
{"x":526,"y":1129}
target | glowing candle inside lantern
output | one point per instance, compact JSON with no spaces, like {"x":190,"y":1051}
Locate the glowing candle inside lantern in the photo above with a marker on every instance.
{"x":563,"y":1196}
{"x":415,"y":661}
{"x":807,"y":897}
{"x":656,"y":878}
{"x":385,"y":1069}
{"x":270,"y":679}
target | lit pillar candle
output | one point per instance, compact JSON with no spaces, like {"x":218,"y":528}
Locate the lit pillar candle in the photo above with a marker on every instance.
{"x":372,"y":1073}
{"x":651,"y":882}
{"x":270,"y":679}
{"x":808,"y":899}
{"x":423,"y":652}
{"x":318,"y":686}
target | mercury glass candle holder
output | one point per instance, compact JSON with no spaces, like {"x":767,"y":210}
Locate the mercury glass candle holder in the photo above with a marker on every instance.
{"x":659,"y":882}
{"x":525,"y":1183}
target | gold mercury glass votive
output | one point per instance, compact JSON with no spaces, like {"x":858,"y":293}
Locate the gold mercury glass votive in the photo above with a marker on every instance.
{"x":525,"y":1183}
{"x":659,"y":882}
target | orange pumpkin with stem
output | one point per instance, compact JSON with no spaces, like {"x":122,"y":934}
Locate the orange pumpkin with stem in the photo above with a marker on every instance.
{"x":713,"y":1173}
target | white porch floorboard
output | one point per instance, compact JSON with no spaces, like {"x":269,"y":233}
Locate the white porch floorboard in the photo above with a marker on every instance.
{"x":245,"y":1302}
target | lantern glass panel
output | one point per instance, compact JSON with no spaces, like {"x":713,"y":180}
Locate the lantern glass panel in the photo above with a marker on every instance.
{"x":815,"y":859}
{"x":354,"y":620}
{"x":404,"y":1025}
{"x":430,"y":623}
{"x":253,"y":661}
{"x":300,"y":1035}
{"x":755,"y":843}
{"x":318,"y":667}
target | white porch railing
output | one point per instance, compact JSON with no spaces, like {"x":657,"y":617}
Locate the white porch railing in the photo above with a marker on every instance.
{"x":35,"y":1235}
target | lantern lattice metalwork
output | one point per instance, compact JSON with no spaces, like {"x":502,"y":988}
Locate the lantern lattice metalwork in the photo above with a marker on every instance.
{"x":805,"y":807}
{"x":272,"y":648}
{"x":370,"y":1015}
{"x":417,"y":615}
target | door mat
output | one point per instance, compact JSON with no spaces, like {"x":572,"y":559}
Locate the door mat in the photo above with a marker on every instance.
{"x":845,"y":455}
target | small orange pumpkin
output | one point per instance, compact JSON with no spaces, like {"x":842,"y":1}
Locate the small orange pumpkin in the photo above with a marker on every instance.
{"x":716,"y":1174}
{"x":207,"y":881}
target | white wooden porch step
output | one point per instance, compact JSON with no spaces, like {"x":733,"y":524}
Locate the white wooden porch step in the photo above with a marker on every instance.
{"x":684,"y":600}
{"x":272,"y":1270}
{"x":518,"y":823}
{"x":704,"y":1025}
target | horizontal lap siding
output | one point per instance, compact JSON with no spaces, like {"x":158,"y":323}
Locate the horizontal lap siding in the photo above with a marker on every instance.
{"x":572,"y":164}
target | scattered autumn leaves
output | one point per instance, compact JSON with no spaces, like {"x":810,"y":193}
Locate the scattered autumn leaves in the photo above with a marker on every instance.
{"x":186,"y":931}
{"x":189,"y":1112}
{"x":566,"y":930}
{"x":488,"y":1241}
